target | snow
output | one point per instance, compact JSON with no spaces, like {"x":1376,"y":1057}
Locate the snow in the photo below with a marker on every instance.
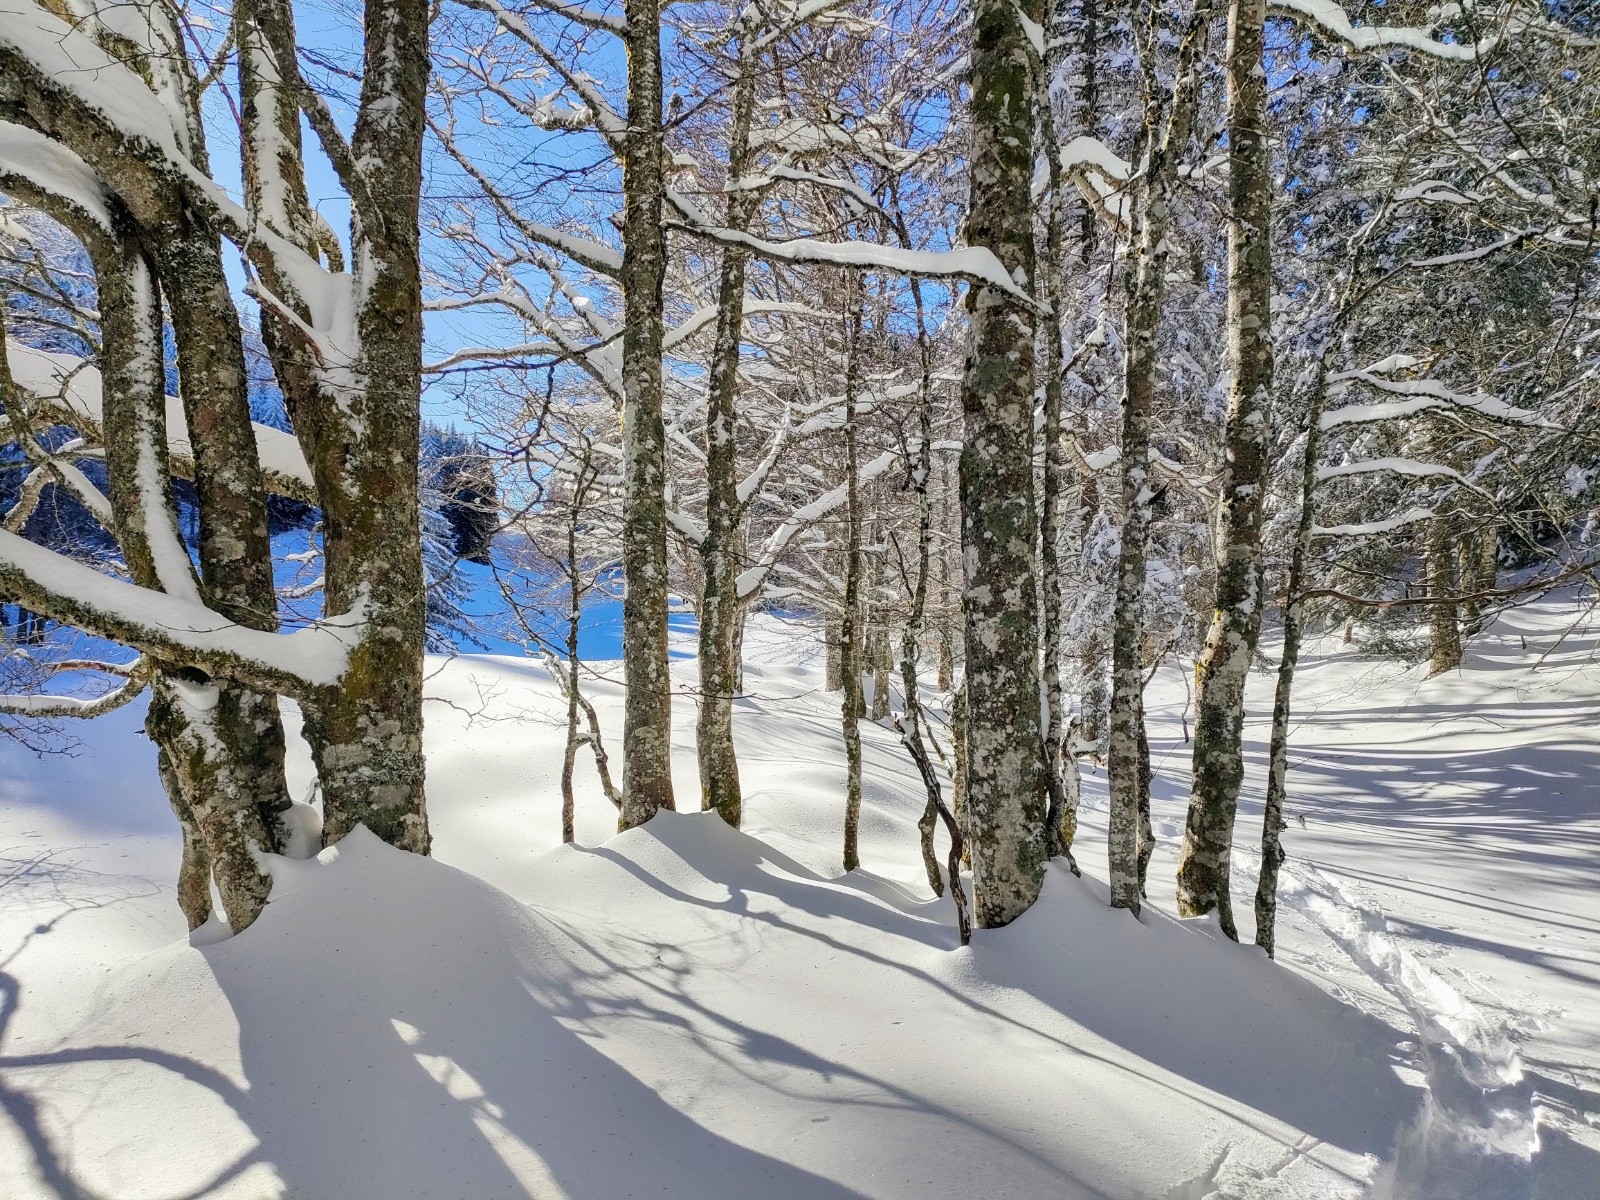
{"x":969,"y":262}
{"x":76,"y":384}
{"x":686,"y":1010}
{"x":52,"y":168}
{"x":1330,"y":18}
{"x":315,"y":656}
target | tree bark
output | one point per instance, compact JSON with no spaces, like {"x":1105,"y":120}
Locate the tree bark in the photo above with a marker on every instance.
{"x":1053,"y":453}
{"x":719,"y":610}
{"x":1204,"y":862}
{"x":1004,"y":779}
{"x":221,"y":744}
{"x":1272,"y":817}
{"x":1444,"y":630}
{"x":357,"y":420}
{"x":1167,"y":126}
{"x":647,"y":719}
{"x":849,"y":621}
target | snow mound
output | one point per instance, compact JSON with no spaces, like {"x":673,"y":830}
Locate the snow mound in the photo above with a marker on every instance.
{"x":686,"y":1012}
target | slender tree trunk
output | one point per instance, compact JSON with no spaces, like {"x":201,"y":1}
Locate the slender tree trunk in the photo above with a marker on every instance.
{"x":1167,"y":126}
{"x":849,"y":632}
{"x":1053,"y":453}
{"x":1094,"y":655}
{"x":647,"y":720}
{"x":1444,"y":630}
{"x":911,"y":644}
{"x":1005,"y":782}
{"x":1147,"y":836}
{"x":569,"y":755}
{"x":833,"y":667}
{"x":949,"y":597}
{"x":958,"y":772}
{"x":1272,"y":817}
{"x":719,"y":611}
{"x":882,"y":666}
{"x":1204,"y":862}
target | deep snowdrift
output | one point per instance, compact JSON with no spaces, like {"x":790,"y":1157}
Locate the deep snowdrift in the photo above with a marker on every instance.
{"x":685,"y":1013}
{"x":686,"y":1010}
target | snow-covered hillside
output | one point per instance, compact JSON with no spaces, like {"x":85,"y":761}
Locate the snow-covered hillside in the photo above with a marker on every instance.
{"x":690,"y":1011}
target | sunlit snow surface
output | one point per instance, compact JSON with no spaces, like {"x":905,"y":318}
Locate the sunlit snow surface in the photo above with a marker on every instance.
{"x":687,"y":1011}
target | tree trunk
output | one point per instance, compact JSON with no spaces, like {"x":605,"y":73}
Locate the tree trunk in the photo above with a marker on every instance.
{"x":357,"y":421}
{"x":719,"y":611}
{"x":1147,"y":836}
{"x":1052,"y":452}
{"x":1272,"y":818}
{"x":833,"y":668}
{"x":949,"y":597}
{"x":1004,"y":779}
{"x":1204,"y":862}
{"x":1165,"y":137}
{"x":911,"y":643}
{"x":194,"y":871}
{"x":882,"y":665}
{"x":1444,"y":630}
{"x":849,"y":632}
{"x":647,"y":720}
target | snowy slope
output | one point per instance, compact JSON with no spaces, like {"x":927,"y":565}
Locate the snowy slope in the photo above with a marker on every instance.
{"x":689,"y":1011}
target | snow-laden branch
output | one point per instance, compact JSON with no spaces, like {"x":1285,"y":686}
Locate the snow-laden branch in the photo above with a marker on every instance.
{"x":1366,"y":528}
{"x":1395,"y":466}
{"x":68,"y":591}
{"x":973,"y":263}
{"x":68,"y":388}
{"x":1421,"y":395}
{"x":750,"y":581}
{"x":53,"y":168}
{"x":1330,"y":19}
{"x":47,"y":707}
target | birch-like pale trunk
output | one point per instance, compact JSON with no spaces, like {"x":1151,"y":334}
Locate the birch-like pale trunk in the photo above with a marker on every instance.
{"x":1204,"y":861}
{"x":1167,"y":127}
{"x":1272,"y":819}
{"x":850,"y":620}
{"x":720,"y":607}
{"x":911,"y":645}
{"x":647,"y":714}
{"x":1005,"y":786}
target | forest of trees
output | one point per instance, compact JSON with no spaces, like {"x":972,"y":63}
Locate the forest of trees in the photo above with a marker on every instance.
{"x":1024,"y":348}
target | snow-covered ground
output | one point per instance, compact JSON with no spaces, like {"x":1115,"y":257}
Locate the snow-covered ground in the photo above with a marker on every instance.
{"x":689,"y":1011}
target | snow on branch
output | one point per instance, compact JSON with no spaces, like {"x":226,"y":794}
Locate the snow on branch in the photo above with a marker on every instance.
{"x":973,"y":263}
{"x":69,"y":387}
{"x":1397,"y":466}
{"x":1366,"y":528}
{"x":1329,"y":18}
{"x":48,"y":707}
{"x":1422,"y":395}
{"x":73,"y":593}
{"x":52,"y":168}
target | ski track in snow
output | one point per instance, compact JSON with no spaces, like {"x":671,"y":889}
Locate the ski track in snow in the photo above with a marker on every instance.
{"x":1478,"y":1127}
